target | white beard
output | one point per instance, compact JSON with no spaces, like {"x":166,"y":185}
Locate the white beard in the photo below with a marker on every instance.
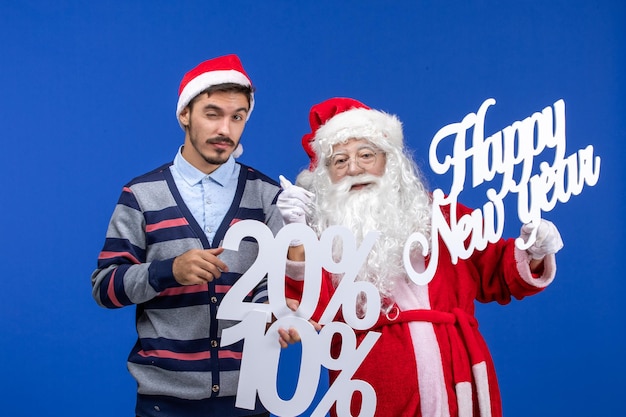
{"x":396,"y":211}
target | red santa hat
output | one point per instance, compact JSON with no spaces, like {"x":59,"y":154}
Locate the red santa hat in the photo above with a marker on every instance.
{"x":338,"y":119}
{"x":220,"y":70}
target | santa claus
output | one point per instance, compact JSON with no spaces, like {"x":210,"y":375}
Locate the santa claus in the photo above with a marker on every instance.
{"x":430,"y":359}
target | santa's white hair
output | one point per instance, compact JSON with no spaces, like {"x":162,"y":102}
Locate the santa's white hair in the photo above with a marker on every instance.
{"x":397,"y":204}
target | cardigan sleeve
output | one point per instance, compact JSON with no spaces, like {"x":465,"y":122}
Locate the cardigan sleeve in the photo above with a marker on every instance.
{"x":123,"y":277}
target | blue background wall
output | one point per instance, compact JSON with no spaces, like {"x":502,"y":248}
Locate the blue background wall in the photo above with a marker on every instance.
{"x":88,"y":95}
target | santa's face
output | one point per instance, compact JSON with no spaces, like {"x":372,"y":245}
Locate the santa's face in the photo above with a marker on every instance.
{"x":353,"y":158}
{"x":365,"y":189}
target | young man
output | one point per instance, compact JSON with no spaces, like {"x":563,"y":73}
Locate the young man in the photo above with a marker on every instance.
{"x":162,"y":251}
{"x":430,"y":359}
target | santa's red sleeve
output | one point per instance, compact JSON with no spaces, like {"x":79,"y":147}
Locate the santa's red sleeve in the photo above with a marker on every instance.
{"x":504,"y":272}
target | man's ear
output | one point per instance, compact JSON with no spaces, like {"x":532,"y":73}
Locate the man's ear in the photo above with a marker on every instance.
{"x":183,"y":118}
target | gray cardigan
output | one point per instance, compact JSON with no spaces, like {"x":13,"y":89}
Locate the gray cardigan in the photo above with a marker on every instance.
{"x":177,"y":360}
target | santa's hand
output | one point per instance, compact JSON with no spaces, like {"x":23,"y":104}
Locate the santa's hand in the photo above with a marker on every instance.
{"x":547,"y":242}
{"x":290,"y":336}
{"x":293,"y":202}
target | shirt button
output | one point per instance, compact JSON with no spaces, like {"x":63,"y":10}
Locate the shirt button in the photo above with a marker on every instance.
{"x":215,"y":388}
{"x":214,"y":299}
{"x":213,"y":343}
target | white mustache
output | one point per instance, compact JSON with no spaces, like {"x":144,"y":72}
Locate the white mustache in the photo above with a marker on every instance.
{"x":346,"y":183}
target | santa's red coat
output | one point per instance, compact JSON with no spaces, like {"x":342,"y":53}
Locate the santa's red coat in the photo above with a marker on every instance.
{"x":430,"y":359}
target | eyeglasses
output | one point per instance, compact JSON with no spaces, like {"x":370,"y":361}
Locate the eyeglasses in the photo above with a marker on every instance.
{"x":364,"y":158}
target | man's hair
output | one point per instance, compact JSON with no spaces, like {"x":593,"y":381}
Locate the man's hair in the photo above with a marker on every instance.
{"x":225,"y":88}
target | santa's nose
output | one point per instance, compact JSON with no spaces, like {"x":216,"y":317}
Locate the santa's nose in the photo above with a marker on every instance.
{"x":353,"y":167}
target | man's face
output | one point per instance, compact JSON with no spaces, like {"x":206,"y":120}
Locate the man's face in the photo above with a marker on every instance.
{"x":213,"y":128}
{"x":354,"y":158}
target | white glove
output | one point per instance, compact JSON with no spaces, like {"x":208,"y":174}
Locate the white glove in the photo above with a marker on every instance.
{"x":294,"y":202}
{"x":548,"y":240}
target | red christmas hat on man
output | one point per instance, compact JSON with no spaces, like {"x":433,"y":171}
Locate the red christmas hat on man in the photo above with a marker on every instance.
{"x":220,"y":70}
{"x":340,"y":118}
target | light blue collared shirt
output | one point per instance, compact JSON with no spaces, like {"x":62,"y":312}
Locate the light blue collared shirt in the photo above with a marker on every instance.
{"x":208,"y":197}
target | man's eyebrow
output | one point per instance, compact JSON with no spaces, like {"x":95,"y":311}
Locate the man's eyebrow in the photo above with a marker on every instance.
{"x":213,"y":107}
{"x":218,"y":109}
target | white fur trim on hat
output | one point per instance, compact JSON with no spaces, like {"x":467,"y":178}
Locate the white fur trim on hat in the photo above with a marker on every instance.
{"x":206,"y":80}
{"x":382,"y":129}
